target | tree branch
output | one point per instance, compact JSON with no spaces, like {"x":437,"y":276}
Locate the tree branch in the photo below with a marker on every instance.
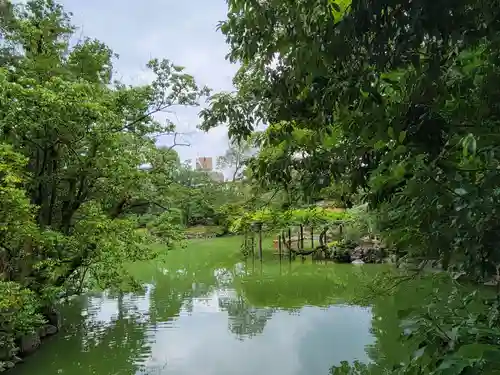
{"x":178,"y":144}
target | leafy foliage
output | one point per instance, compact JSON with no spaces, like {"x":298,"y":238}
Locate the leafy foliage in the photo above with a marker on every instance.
{"x":235,"y":158}
{"x":78,"y":161}
{"x":18,"y":315}
{"x":390,"y":103}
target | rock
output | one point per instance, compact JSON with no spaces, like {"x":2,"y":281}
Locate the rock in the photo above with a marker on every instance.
{"x":5,"y":348}
{"x":50,"y":330}
{"x":54,"y":318}
{"x":357,"y":253}
{"x":9,"y":364}
{"x":42,"y":332}
{"x":341,"y":256}
{"x":357,"y":261}
{"x":16,"y":360}
{"x":393,"y":259}
{"x":369,"y":254}
{"x":14,"y":351}
{"x":29,"y":343}
{"x":492,"y":282}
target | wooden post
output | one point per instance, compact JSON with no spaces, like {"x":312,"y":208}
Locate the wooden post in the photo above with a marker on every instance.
{"x":312,"y":238}
{"x":301,"y":237}
{"x":290,"y":245}
{"x":253,"y":245}
{"x":260,"y":241}
{"x":279,"y":246}
{"x":283,"y":239}
{"x":245,"y":243}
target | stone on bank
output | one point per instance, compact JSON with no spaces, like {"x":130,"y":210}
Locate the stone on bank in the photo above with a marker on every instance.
{"x":30,"y":342}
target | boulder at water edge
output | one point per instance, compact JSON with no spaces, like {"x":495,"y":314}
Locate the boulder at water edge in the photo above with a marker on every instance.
{"x":54,"y":318}
{"x":29,"y":343}
{"x":50,"y":330}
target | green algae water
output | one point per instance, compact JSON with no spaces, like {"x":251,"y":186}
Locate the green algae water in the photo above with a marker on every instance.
{"x":205,"y":311}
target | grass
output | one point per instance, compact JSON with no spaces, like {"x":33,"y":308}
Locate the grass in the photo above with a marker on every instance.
{"x":212,"y":250}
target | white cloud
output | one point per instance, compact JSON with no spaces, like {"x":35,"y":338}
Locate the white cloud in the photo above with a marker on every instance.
{"x":309,"y":342}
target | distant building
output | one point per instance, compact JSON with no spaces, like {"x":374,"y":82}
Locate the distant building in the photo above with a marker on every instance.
{"x":204,"y":163}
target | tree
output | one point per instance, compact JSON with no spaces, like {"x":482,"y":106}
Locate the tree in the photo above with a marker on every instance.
{"x":395,"y":101}
{"x":341,"y":110}
{"x":236,"y":157}
{"x":84,"y":138}
{"x":73,"y":146}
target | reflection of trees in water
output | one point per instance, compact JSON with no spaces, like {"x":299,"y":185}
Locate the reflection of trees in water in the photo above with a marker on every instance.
{"x":175,"y":293}
{"x":124,"y":337}
{"x":294,"y":311}
{"x":127,"y":339}
{"x":244,"y":321}
{"x":152,"y":370}
{"x":197,"y":290}
{"x":224,"y":277}
{"x":388,"y":350}
{"x":125,"y":343}
{"x":117,"y":344}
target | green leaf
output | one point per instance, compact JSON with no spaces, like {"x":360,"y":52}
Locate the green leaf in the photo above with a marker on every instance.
{"x":399,"y":171}
{"x":390,"y":132}
{"x":452,"y":366}
{"x":336,"y":7}
{"x":401,"y":149}
{"x":379,"y":145}
{"x":404,"y":313}
{"x":419,"y":353}
{"x":402,"y":136}
{"x":477,"y":351}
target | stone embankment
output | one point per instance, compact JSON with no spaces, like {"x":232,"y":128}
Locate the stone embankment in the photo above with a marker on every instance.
{"x":29,"y":343}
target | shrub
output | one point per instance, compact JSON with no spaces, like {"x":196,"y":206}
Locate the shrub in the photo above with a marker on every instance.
{"x":18,"y":315}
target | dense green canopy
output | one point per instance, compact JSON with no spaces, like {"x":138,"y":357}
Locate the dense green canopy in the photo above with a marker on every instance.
{"x":387,"y":102}
{"x":74,"y":143}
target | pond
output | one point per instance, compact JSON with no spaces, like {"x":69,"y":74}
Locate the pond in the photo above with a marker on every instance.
{"x":204,"y":311}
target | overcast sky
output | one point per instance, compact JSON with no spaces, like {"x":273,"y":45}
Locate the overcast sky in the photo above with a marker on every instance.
{"x":182,"y":31}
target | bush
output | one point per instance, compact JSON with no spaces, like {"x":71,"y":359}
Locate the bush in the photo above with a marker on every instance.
{"x":363,"y":222}
{"x":19,"y":315}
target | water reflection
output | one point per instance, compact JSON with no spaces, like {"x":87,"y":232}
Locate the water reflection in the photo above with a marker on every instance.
{"x":244,"y":321}
{"x":219,"y":321}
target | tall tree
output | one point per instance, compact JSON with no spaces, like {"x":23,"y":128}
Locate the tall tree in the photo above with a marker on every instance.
{"x":397,"y":99}
{"x":84,"y":137}
{"x":235,"y":158}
